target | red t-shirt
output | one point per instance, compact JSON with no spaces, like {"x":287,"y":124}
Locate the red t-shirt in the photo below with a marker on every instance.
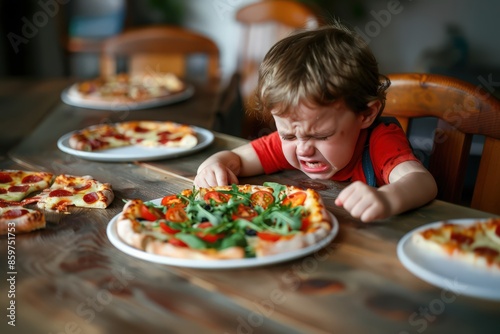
{"x":389,"y":147}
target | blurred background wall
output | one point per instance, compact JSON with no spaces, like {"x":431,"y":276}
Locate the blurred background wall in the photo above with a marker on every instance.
{"x":457,"y":37}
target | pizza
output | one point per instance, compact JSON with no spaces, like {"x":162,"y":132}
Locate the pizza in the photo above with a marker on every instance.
{"x":18,"y":219}
{"x":80,"y":191}
{"x":142,"y":133}
{"x":15,"y":185}
{"x":128,"y":88}
{"x":477,"y":244}
{"x":226,"y":222}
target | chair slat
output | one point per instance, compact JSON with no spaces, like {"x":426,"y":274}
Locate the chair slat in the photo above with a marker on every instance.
{"x":463,"y":110}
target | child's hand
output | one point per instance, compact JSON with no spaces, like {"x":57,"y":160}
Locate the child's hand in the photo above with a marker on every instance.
{"x":364,"y":202}
{"x":216,"y":174}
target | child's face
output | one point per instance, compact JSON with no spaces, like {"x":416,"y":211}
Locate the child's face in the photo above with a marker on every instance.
{"x":319,"y":141}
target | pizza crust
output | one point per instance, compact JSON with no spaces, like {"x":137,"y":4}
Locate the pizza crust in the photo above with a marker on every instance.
{"x":29,"y":221}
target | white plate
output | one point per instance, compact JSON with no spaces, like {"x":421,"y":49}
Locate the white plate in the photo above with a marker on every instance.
{"x":135,"y":152}
{"x":445,"y":272}
{"x":217,"y":264}
{"x":69,"y":96}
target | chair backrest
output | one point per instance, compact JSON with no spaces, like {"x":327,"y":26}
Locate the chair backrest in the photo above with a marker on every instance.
{"x":159,"y":48}
{"x":263,"y":24}
{"x":462,"y":110}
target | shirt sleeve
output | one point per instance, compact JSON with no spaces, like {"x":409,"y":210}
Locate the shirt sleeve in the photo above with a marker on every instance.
{"x":268,"y":149}
{"x":389,"y":147}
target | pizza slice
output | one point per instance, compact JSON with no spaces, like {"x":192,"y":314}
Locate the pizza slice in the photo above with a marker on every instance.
{"x":227,"y":222}
{"x":17,"y":219}
{"x":98,"y":137}
{"x":477,"y":244}
{"x":15,"y":185}
{"x":79,"y":191}
{"x":158,"y":134}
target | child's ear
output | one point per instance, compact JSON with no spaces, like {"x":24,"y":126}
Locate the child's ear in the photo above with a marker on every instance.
{"x":370,"y":114}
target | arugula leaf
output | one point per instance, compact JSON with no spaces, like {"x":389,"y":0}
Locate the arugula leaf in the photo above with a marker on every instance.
{"x":278,"y":190}
{"x":191,"y":240}
{"x":199,"y":213}
{"x":236,"y":239}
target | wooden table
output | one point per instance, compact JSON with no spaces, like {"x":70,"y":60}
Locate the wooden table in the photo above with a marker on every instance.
{"x":69,"y":278}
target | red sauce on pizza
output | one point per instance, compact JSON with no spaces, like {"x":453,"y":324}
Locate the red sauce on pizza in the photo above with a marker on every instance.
{"x":461,"y":238}
{"x":84,"y":187}
{"x":486,"y":251}
{"x":141,"y":130}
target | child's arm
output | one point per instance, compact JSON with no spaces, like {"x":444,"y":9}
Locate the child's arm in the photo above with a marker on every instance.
{"x":411,"y":186}
{"x":224,"y":167}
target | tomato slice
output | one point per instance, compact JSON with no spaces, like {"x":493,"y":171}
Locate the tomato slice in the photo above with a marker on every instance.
{"x":168,"y":229}
{"x":170,"y":199}
{"x":295,"y":199}
{"x":176,"y":214}
{"x":269,"y":236}
{"x":262,"y":198}
{"x":305,"y":224}
{"x":208,"y":237}
{"x":177,"y":242}
{"x":150,"y":214}
{"x":216,"y":196}
{"x":244,"y":212}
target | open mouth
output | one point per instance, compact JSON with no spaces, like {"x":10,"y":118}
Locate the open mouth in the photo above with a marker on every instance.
{"x":313,"y":166}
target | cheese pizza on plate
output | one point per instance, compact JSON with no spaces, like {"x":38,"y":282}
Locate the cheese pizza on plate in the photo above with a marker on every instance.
{"x":477,"y":244}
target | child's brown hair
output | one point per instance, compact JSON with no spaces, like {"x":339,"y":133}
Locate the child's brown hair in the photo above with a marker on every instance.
{"x":319,"y":67}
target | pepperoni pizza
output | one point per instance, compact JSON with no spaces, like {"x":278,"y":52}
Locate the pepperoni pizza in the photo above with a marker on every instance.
{"x":127,"y":88}
{"x":142,"y":133}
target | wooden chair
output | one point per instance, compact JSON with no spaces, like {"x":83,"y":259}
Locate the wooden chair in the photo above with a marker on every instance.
{"x":263,"y":24}
{"x":462,"y":110}
{"x":160,"y":49}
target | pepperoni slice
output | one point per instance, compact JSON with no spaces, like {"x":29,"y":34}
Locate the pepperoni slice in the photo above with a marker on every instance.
{"x":461,"y":239}
{"x":84,"y":187}
{"x":3,"y":191}
{"x":5,"y":178}
{"x":141,"y":130}
{"x":60,"y":193}
{"x":90,"y":198}
{"x":486,"y":251}
{"x":15,"y":213}
{"x":32,"y":179}
{"x":19,"y":189}
{"x":497,"y":230}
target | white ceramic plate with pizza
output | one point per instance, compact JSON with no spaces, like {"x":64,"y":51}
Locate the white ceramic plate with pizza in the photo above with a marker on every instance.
{"x":70,"y":96}
{"x":136,"y":152}
{"x":445,"y":272}
{"x":217,"y":264}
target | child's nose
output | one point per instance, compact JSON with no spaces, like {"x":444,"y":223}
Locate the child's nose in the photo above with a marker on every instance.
{"x":305,"y":148}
